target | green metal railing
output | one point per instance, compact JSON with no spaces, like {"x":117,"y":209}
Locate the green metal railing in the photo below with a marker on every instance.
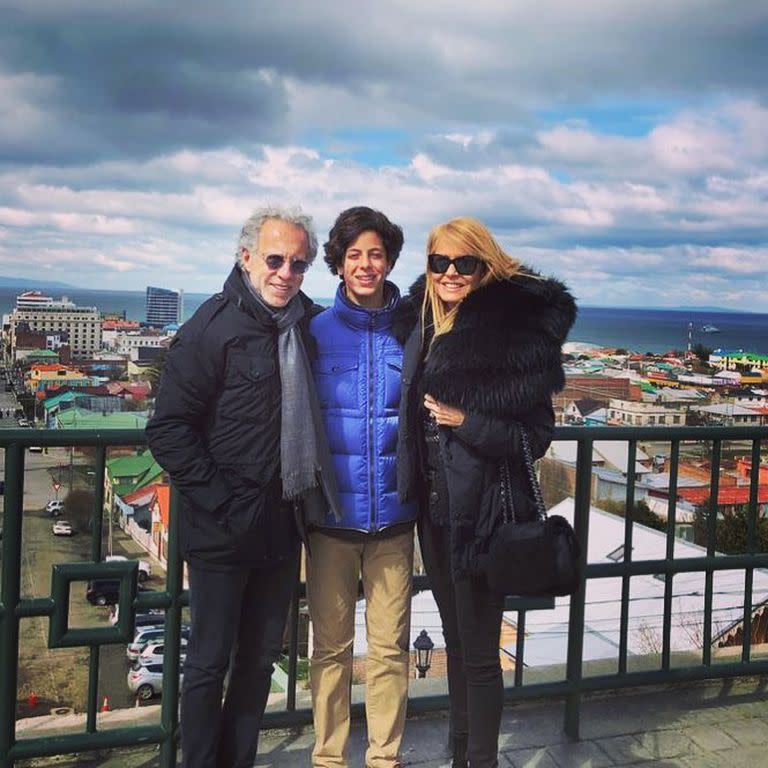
{"x":173,"y":598}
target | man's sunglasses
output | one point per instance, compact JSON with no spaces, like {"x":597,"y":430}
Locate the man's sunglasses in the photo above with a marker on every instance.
{"x":465,"y":265}
{"x":276,"y":260}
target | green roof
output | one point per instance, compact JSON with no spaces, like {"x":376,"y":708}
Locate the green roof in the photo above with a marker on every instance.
{"x":129,"y":473}
{"x":38,"y":353}
{"x":80,"y":418}
{"x":130,"y":466}
{"x":65,"y":397}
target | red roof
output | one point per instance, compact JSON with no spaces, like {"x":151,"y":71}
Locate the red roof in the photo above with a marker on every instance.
{"x":138,"y":390}
{"x":52,"y":367}
{"x":143,"y":495}
{"x":727,"y":496}
{"x":116,"y":325}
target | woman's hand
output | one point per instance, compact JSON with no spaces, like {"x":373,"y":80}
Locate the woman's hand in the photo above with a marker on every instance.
{"x":444,"y":415}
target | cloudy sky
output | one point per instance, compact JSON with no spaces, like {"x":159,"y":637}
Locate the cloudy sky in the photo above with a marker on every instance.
{"x":621,"y":145}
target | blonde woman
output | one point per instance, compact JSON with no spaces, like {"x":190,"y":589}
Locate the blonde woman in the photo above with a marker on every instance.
{"x":482,"y":358}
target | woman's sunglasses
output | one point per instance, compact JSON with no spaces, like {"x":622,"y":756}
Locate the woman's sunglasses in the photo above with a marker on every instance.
{"x":464,"y":265}
{"x":276,"y":261}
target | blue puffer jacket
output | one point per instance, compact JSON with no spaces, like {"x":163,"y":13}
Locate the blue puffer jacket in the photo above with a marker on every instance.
{"x":357,"y":373}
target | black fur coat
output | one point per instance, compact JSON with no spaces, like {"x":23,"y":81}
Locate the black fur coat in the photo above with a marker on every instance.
{"x":501,"y":364}
{"x":504,"y":350}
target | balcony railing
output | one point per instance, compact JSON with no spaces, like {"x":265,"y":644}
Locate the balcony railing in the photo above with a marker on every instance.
{"x":173,"y":598}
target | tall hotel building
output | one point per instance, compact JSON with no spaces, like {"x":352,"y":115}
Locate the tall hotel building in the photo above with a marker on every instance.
{"x":42,"y":314}
{"x":164,"y":306}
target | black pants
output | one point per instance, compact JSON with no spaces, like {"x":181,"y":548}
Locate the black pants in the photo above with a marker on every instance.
{"x":471,"y":617}
{"x":238,"y":618}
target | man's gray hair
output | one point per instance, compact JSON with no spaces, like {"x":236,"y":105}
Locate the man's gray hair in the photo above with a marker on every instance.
{"x":249,"y":234}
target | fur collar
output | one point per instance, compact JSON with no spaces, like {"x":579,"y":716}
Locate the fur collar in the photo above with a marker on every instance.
{"x":504,"y":352}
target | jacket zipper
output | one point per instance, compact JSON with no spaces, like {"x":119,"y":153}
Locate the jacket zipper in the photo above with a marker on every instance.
{"x":371,"y":450}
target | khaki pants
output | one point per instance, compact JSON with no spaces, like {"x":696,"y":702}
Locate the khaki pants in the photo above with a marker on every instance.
{"x":334,"y":568}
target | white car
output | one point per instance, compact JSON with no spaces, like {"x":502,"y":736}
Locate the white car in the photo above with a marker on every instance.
{"x":153,"y":653}
{"x":145,"y":569}
{"x":55,"y":508}
{"x":147,"y":681}
{"x":146,"y":635}
{"x":62,"y":528}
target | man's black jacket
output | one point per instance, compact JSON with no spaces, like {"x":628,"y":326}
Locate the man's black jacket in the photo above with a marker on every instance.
{"x":216,"y":430}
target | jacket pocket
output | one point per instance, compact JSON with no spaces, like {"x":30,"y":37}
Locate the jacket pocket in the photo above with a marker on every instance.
{"x":337,"y":381}
{"x":251,"y":386}
{"x":393,"y":371}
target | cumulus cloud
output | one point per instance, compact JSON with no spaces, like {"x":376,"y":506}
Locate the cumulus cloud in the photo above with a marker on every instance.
{"x":623,"y":146}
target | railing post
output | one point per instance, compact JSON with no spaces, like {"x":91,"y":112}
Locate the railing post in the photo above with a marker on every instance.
{"x":10,"y":591}
{"x":293,"y":644}
{"x":629,"y":510}
{"x":714,"y":495}
{"x":169,"y":709}
{"x":582,"y":498}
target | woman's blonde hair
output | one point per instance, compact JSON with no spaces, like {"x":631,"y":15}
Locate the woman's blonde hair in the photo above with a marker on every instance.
{"x":472,"y":237}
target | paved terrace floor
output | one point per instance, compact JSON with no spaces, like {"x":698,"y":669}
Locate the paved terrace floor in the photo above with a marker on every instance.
{"x":705,"y":725}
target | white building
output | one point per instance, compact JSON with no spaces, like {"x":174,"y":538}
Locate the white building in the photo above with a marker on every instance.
{"x":631,"y":413}
{"x":730,"y":414}
{"x":43,"y":314}
{"x":128,"y":342}
{"x":546,"y":631}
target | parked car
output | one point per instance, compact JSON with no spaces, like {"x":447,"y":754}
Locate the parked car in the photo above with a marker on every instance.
{"x":153,"y":652}
{"x":105,"y":591}
{"x":55,"y":508}
{"x":147,"y":681}
{"x":63,"y":528}
{"x":152,"y":618}
{"x":102,"y":591}
{"x":23,"y":422}
{"x":145,"y":569}
{"x":146,"y":635}
{"x":35,"y":449}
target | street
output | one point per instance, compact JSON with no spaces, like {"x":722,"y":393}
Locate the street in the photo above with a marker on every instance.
{"x":58,"y":677}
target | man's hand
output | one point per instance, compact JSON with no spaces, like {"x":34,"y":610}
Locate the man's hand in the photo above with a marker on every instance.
{"x":444,"y":415}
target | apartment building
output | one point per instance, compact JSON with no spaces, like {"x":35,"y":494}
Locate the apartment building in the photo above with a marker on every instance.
{"x":37,"y":313}
{"x":164,"y":306}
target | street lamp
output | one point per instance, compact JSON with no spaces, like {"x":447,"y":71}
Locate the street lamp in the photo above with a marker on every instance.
{"x":424,"y":647}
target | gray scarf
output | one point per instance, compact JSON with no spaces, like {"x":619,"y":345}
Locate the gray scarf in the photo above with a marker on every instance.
{"x":305,"y":460}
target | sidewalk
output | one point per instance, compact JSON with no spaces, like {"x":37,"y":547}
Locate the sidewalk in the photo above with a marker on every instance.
{"x":694,"y":726}
{"x":707,"y":725}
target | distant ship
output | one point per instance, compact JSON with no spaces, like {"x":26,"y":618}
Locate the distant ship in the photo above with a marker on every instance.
{"x":710,"y":328}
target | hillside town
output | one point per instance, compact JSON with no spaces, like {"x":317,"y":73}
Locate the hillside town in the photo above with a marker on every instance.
{"x":71,"y":367}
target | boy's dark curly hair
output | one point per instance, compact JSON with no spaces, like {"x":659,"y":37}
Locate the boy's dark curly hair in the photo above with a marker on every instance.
{"x":350,"y":224}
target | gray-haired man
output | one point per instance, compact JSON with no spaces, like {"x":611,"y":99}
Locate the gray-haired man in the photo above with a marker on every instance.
{"x":238,"y":428}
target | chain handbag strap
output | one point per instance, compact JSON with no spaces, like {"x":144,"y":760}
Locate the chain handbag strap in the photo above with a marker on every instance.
{"x":507,"y":504}
{"x":534,"y":481}
{"x":507,"y":501}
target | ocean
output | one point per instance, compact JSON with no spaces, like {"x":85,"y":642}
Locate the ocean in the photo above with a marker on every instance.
{"x":639,"y":330}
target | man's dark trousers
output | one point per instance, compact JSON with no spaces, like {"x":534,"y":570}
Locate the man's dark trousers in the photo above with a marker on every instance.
{"x":237,"y":614}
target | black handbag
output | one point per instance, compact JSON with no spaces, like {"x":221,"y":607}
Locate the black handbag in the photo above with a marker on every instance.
{"x":538,"y":558}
